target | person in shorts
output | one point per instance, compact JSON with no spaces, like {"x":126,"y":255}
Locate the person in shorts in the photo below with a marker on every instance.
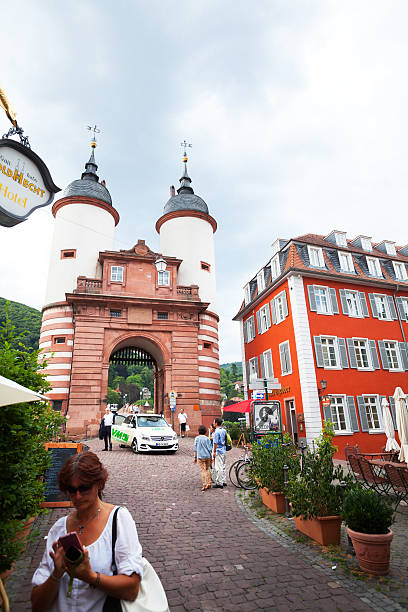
{"x":182,"y":418}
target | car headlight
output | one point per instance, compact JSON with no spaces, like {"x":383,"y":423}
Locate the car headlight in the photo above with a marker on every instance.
{"x":145,"y":438}
{"x":175,"y":437}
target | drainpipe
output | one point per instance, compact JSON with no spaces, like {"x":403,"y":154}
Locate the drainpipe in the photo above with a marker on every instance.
{"x":398,"y":314}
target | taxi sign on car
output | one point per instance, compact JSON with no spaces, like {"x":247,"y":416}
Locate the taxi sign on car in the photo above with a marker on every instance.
{"x":145,"y":432}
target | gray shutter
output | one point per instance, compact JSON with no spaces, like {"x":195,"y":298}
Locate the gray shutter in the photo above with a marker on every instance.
{"x":248,"y":371}
{"x":273,"y":311}
{"x":268,"y":357}
{"x":245,"y":332}
{"x":374,"y":355}
{"x":318,"y":351}
{"x":312,"y":299}
{"x":351,"y":405}
{"x":268,"y":315}
{"x":285,"y":305}
{"x":253,"y":327}
{"x":401,"y":310}
{"x":404,"y":354}
{"x":327,"y":413}
{"x":257,"y":367}
{"x":362,"y":413}
{"x":363,"y":303}
{"x":373,"y":305}
{"x":343,"y":301}
{"x":383,"y":355}
{"x":333,"y":300}
{"x":352,"y":353}
{"x":392,"y":408}
{"x":343,"y":353}
{"x":261,"y":359}
{"x":258,"y":321}
{"x":392,"y":307}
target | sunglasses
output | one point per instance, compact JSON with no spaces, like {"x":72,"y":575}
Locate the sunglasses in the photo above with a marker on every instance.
{"x":80,"y":489}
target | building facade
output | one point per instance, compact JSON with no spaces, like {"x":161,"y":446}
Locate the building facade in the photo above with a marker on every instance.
{"x":334,"y":310}
{"x":130,"y":306}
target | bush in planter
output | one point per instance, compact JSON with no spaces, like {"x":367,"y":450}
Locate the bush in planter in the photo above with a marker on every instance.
{"x":235,"y":430}
{"x":366,"y":511}
{"x":269,"y":457}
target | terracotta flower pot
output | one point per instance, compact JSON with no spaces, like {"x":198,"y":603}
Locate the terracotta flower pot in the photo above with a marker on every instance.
{"x":274,"y":501}
{"x":323,"y":529}
{"x":372,"y":551}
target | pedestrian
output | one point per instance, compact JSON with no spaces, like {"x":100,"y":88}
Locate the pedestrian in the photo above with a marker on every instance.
{"x":219,"y":440}
{"x":202,"y":452}
{"x":182,"y":417}
{"x":83,"y":478}
{"x":211,"y":431}
{"x":107,"y":429}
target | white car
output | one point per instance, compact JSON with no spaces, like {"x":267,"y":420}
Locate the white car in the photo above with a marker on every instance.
{"x":145,"y":432}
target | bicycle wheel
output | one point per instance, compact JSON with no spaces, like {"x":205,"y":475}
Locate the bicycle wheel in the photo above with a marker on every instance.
{"x":233,"y":472}
{"x":244,"y":476}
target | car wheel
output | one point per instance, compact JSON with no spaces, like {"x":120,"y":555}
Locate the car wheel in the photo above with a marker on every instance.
{"x":134,"y":446}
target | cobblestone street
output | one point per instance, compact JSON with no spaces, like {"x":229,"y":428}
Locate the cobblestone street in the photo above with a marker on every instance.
{"x":210,"y":555}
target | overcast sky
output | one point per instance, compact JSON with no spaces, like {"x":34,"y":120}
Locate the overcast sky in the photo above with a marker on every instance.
{"x":297,"y":112}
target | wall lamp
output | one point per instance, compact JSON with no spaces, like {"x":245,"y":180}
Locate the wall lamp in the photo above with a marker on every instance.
{"x":322,"y":388}
{"x":160,"y":264}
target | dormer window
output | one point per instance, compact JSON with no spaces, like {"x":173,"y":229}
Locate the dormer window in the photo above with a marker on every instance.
{"x":374,"y":268}
{"x":247,"y":294}
{"x":117,"y":274}
{"x":346,"y":262}
{"x":366,"y":244}
{"x":338,"y":238}
{"x":390,"y":248}
{"x":400,"y":270}
{"x":275,"y":267}
{"x":315,"y":256}
{"x":260,"y":281}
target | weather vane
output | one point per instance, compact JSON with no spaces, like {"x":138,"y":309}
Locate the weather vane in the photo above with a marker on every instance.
{"x":95,"y":130}
{"x":185,"y":145}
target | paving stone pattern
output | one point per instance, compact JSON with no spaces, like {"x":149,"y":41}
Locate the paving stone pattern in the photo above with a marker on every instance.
{"x":210,"y":555}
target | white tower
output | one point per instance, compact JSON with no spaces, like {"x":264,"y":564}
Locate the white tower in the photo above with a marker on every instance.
{"x":85,"y":221}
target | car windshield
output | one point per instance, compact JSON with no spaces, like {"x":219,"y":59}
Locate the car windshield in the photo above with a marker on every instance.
{"x":151,"y":421}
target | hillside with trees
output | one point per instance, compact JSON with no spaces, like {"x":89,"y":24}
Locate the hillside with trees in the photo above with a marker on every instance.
{"x":25,"y":319}
{"x":230,"y":374}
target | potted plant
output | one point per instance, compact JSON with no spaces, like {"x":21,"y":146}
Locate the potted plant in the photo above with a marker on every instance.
{"x":269,"y":458}
{"x":368,"y":517}
{"x":316,"y":496}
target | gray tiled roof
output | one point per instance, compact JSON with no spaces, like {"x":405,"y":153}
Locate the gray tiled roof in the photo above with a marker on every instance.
{"x":89,"y":189}
{"x":185,"y":201}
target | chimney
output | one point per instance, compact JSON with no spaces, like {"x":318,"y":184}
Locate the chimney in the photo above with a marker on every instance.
{"x":172,"y":191}
{"x":103,"y":183}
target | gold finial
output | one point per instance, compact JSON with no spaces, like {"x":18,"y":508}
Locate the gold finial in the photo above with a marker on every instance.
{"x":185,"y":145}
{"x":10,"y":112}
{"x":95,"y":131}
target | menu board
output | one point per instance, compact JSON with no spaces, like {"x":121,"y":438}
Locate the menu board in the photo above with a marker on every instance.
{"x":60,"y":452}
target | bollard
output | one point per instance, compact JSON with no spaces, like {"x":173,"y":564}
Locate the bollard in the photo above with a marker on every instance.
{"x":350,"y":547}
{"x":285,"y":483}
{"x":86,"y":431}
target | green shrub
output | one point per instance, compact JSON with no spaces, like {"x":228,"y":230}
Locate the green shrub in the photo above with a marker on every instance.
{"x":269,"y":457}
{"x":366,"y":511}
{"x":235,"y":430}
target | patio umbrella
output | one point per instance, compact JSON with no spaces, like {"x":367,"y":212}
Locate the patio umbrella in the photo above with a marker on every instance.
{"x":402,"y":422}
{"x":13,"y":393}
{"x":392,"y":444}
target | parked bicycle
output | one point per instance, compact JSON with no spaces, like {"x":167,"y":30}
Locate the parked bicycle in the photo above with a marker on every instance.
{"x":240,"y":472}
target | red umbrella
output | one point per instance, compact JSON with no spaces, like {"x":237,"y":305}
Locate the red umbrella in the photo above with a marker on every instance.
{"x":244,"y":406}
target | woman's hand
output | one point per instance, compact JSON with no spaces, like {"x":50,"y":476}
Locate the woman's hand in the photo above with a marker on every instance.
{"x":58,"y":556}
{"x":83,"y":571}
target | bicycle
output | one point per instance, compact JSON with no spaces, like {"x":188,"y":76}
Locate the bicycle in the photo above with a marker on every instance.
{"x":242,"y":481}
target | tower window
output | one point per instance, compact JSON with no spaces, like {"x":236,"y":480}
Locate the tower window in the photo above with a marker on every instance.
{"x":116,"y":313}
{"x":59,"y":339}
{"x":68,"y":254}
{"x":163,"y":278}
{"x":117,"y":274}
{"x":57,"y":405}
{"x":205,"y":266}
{"x":207,"y":345}
{"x":163,"y":315}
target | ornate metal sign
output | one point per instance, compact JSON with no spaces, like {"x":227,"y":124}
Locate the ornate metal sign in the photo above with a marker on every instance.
{"x":25,"y":183}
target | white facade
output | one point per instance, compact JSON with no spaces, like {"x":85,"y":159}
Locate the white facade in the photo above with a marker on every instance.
{"x":191,"y":239}
{"x":87,"y":229}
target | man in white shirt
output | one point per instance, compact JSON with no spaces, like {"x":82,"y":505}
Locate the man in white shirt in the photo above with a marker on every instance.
{"x":107,"y":422}
{"x":182,"y":417}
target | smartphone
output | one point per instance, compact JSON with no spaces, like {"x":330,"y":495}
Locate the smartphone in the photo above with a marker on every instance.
{"x":72,"y":546}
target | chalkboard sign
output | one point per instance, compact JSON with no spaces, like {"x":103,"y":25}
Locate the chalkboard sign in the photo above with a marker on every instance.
{"x":60,"y":452}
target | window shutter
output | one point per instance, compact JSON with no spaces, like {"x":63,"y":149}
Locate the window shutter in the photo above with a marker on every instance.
{"x":352,"y":353}
{"x":258,"y":321}
{"x":288,"y":359}
{"x":257,"y":367}
{"x":268,"y":358}
{"x":285,"y":305}
{"x":351,"y":405}
{"x":401,"y":310}
{"x":363,"y":302}
{"x":362,"y":413}
{"x":273,"y":311}
{"x":253,"y":333}
{"x":245,"y":332}
{"x":248,"y":371}
{"x":392,"y":307}
{"x":392,"y":408}
{"x":373,"y":305}
{"x":404,"y":354}
{"x":312,"y":299}
{"x":383,"y":355}
{"x":333,"y":300}
{"x":327,"y":413}
{"x":343,"y":352}
{"x":343,"y":301}
{"x":268,"y":315}
{"x":374,"y":355}
{"x":318,"y":351}
{"x":261,"y":359}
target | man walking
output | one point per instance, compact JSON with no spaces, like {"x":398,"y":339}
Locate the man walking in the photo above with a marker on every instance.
{"x":219,"y":439}
{"x":182,"y":417}
{"x":107,"y":422}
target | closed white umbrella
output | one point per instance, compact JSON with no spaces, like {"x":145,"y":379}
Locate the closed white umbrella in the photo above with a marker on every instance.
{"x":401,"y":415}
{"x":392,"y":444}
{"x":13,"y":393}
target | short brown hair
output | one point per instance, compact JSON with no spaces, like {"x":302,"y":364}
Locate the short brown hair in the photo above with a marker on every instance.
{"x":86,"y":467}
{"x":202,"y":430}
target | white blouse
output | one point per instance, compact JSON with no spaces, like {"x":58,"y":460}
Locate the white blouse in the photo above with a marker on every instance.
{"x":128,"y":557}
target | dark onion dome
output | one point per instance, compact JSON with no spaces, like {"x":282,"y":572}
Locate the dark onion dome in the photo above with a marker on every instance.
{"x":185,"y":199}
{"x":88,"y":185}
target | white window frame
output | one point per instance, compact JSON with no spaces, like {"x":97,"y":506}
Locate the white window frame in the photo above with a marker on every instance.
{"x":250,"y":327}
{"x":404,"y":303}
{"x":318,"y":300}
{"x":289,"y":371}
{"x":252,"y":369}
{"x":336,"y":353}
{"x":349,"y":258}
{"x":316,"y":254}
{"x":357,"y":303}
{"x":375,"y":266}
{"x":382,"y":300}
{"x":379,"y":429}
{"x":275,"y":266}
{"x":263,"y":317}
{"x":347,"y":430}
{"x":163,"y":278}
{"x":268,"y":374}
{"x":260,"y":280}
{"x":247,"y":294}
{"x":399,"y":367}
{"x":341,"y":239}
{"x":368,"y":353}
{"x":116,"y":274}
{"x":390,"y":248}
{"x":400,"y":270}
{"x":279,"y":303}
{"x":366,"y":244}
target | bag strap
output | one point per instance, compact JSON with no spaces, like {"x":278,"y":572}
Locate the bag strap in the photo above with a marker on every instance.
{"x":114,"y":536}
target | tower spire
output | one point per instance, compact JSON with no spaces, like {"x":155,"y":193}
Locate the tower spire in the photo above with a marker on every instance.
{"x":91,"y":167}
{"x":185,"y":181}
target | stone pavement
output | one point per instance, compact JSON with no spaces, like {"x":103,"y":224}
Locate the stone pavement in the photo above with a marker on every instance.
{"x":208,"y":553}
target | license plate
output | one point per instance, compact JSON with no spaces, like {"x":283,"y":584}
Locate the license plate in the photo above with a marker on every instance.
{"x":161,"y":443}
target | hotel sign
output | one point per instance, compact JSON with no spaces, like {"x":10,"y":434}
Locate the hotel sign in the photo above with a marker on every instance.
{"x":25,"y":183}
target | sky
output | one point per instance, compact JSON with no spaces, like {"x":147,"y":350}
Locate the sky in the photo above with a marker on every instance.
{"x":296,"y":110}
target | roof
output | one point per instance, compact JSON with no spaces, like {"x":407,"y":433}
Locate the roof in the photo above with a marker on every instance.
{"x":88,"y":185}
{"x":185,"y":199}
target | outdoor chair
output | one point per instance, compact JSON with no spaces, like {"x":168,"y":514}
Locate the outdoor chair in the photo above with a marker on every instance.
{"x":351,"y":450}
{"x":373,"y":480}
{"x":355,"y":468}
{"x":398,"y":482}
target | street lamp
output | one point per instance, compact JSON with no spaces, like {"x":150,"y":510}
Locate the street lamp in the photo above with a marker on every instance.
{"x":160,"y":264}
{"x":322,"y":388}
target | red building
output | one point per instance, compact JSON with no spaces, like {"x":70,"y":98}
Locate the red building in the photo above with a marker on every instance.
{"x":333,"y":310}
